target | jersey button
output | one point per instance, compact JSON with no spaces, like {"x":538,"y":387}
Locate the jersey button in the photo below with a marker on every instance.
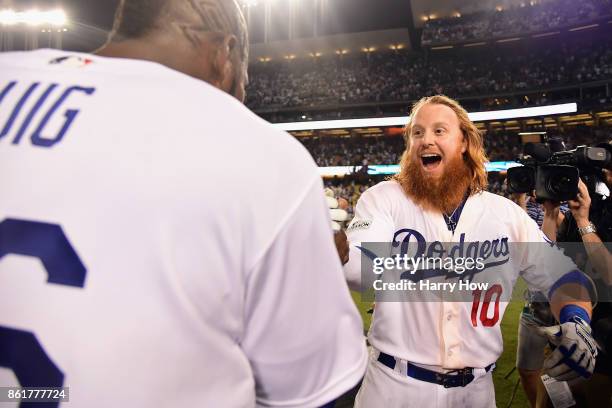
{"x":449,"y":317}
{"x":450,"y":353}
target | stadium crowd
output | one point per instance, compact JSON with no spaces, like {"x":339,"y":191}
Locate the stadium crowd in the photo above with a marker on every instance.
{"x":396,"y":76}
{"x":499,"y":145}
{"x":352,"y":151}
{"x":524,"y":18}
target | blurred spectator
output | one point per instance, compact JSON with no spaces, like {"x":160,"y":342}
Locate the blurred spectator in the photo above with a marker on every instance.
{"x":352,"y":151}
{"x":525,"y":18}
{"x":403,"y":76}
{"x":500,"y":146}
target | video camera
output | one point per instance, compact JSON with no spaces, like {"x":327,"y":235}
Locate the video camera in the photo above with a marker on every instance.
{"x":554,"y":175}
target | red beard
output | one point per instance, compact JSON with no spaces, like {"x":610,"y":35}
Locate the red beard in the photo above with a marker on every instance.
{"x":443,"y":193}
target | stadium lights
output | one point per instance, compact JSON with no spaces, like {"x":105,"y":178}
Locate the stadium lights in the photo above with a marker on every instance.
{"x":402,"y":120}
{"x":60,"y":30}
{"x":546,"y":34}
{"x":368,"y":49}
{"x":396,"y":46}
{"x":8,"y":17}
{"x":505,"y":40}
{"x":315,"y":54}
{"x":342,"y":52}
{"x":586,"y":27}
{"x":476,"y":44}
{"x":33,"y":17}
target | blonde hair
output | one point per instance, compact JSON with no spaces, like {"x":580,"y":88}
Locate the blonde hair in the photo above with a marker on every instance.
{"x":475,"y":155}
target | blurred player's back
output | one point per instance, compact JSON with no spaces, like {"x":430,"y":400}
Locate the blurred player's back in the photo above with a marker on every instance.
{"x":158,"y":244}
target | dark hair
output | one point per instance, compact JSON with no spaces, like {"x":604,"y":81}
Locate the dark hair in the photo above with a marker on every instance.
{"x":136,"y":18}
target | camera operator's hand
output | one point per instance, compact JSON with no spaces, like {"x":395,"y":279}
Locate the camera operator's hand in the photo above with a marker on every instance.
{"x":597,"y":252}
{"x":581,"y":205}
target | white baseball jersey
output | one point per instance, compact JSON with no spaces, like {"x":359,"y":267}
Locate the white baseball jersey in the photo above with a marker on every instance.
{"x":450,"y":334}
{"x":161,"y":246}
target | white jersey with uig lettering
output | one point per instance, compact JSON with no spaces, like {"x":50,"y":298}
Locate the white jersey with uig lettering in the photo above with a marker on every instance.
{"x":459,"y":334}
{"x":161,"y":246}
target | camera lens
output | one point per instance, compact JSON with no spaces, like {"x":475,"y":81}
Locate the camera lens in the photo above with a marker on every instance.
{"x":560,"y":185}
{"x":521,"y":179}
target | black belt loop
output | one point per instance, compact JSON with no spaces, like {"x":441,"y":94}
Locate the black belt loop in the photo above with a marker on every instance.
{"x":387,"y":360}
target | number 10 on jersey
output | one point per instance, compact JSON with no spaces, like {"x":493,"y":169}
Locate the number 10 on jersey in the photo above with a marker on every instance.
{"x":495,"y":290}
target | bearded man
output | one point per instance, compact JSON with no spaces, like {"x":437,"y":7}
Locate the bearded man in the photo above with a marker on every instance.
{"x":441,"y":353}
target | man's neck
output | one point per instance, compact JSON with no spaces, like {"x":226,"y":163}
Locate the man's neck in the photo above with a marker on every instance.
{"x":132,"y":49}
{"x":151,"y":49}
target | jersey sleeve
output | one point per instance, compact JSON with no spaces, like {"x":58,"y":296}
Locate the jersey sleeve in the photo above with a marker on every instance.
{"x":303,"y":335}
{"x":542,"y":262}
{"x":372,"y":223}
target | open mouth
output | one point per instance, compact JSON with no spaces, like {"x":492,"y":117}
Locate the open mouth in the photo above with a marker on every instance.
{"x":431,"y":160}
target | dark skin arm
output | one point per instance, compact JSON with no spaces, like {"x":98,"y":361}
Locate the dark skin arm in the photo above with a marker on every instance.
{"x":342,"y":246}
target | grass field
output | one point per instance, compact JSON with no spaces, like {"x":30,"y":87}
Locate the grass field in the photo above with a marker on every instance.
{"x":503,"y":387}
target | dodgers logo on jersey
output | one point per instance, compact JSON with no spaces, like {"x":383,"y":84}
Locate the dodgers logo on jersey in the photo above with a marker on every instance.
{"x":493,"y":253}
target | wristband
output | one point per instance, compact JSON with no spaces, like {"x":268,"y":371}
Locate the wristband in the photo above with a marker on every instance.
{"x":568,"y":312}
{"x":587,"y":229}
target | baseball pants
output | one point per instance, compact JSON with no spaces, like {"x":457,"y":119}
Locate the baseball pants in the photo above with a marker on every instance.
{"x":384,"y":387}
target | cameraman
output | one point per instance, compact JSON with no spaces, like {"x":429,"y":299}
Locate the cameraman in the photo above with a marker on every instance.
{"x":536,"y":313}
{"x":590,"y":221}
